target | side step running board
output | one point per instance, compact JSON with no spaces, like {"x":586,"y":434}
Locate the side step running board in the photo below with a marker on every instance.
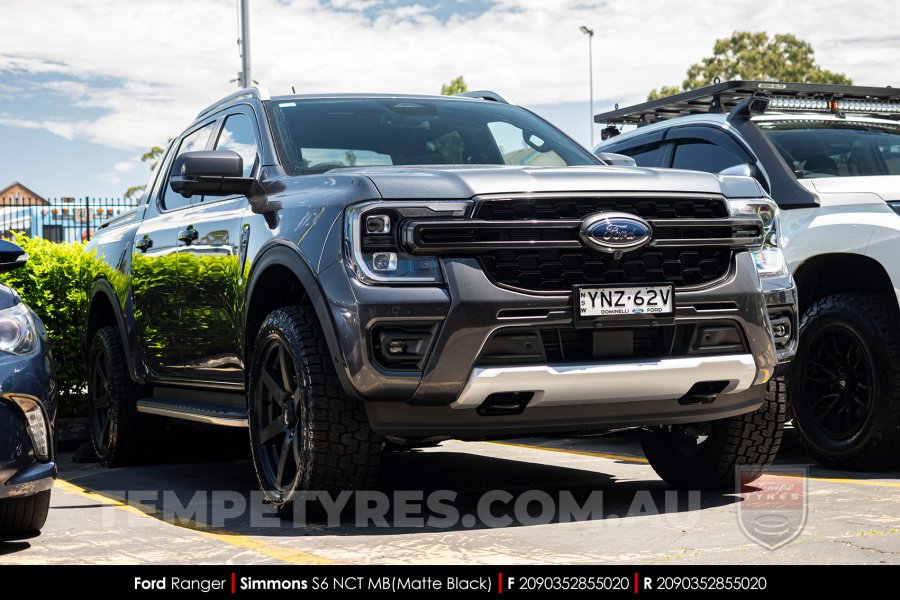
{"x":211,"y":414}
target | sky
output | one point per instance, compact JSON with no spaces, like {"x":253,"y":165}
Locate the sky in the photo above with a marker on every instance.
{"x":86,"y":86}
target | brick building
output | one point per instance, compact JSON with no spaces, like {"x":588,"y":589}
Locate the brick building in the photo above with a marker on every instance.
{"x":16,"y":194}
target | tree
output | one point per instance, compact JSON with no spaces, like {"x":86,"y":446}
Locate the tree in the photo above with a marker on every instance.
{"x":457,"y":86}
{"x":152,"y":156}
{"x":756,"y":56}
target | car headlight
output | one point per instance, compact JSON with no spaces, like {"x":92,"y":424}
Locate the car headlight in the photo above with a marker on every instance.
{"x":17,"y":332}
{"x":374,"y":245}
{"x":769,"y":258}
{"x":36,"y":423}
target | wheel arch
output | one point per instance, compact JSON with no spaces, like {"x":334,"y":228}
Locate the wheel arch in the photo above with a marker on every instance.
{"x":828,"y":274}
{"x":281,"y":277}
{"x":104,"y":310}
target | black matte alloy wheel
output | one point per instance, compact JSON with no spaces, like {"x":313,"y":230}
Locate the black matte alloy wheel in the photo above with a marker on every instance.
{"x":844,"y":389}
{"x":306,"y":434}
{"x":112,"y":412}
{"x":276,"y":406}
{"x":839,"y":382}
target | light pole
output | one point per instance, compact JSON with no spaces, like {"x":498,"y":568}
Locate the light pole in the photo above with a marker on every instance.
{"x":244,"y":77}
{"x":590,"y":33}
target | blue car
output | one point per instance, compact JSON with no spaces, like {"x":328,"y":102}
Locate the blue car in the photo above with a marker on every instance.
{"x":27,"y":410}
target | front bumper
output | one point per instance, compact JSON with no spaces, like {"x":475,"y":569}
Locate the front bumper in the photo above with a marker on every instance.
{"x":470,"y":309}
{"x":781,"y":301}
{"x":435,"y":422}
{"x":22,"y":473}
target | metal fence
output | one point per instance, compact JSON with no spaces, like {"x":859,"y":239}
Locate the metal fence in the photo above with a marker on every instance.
{"x":59,"y":219}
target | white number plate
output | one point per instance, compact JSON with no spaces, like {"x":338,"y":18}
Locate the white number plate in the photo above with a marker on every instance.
{"x":617,"y":301}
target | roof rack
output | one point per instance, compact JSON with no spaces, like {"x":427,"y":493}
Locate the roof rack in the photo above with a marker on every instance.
{"x":485,"y":95}
{"x":883,"y":102}
{"x":260,"y":92}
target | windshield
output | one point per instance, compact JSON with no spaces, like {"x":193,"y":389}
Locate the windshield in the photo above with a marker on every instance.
{"x":314,"y":136}
{"x":836,"y":148}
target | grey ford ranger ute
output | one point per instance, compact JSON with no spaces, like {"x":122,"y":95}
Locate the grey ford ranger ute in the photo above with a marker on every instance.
{"x":336,"y":271}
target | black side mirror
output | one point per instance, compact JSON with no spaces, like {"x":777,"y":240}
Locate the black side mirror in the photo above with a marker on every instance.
{"x":11,"y":256}
{"x":210,"y":173}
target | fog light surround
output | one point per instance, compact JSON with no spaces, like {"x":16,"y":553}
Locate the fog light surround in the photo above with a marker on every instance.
{"x":782,"y":329}
{"x":402,"y":346}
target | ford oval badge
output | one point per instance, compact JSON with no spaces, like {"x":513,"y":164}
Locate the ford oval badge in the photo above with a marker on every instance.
{"x":615,"y":232}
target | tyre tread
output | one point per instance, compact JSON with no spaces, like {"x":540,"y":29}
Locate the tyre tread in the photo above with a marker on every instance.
{"x":23,"y":516}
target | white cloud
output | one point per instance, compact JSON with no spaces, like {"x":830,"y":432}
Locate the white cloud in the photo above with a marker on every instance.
{"x":111,"y":178}
{"x":65,"y":129}
{"x":127,"y":166}
{"x":150,"y":66}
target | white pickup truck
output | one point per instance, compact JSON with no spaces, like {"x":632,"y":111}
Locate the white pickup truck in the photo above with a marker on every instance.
{"x":829,"y":155}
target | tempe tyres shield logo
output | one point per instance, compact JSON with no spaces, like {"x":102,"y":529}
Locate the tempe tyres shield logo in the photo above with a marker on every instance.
{"x":773,"y":509}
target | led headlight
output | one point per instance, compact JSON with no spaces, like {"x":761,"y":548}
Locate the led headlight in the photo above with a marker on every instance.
{"x":36,"y":423}
{"x":376,"y":252}
{"x":17,"y":331}
{"x":769,"y":258}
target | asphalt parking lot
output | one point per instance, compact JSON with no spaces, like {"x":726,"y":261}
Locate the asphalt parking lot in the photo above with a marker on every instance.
{"x":851,"y":517}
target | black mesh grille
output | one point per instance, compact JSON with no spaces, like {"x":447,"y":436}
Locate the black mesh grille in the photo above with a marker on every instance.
{"x":551,"y":270}
{"x":577,"y":208}
{"x":557,"y":270}
{"x":561,"y":345}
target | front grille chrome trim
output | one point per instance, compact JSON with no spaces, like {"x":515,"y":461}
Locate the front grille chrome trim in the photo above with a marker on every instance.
{"x":745,"y":233}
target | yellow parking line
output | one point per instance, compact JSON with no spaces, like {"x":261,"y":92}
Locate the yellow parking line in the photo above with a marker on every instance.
{"x":621,"y":457}
{"x":893,"y":484}
{"x":288,"y":555}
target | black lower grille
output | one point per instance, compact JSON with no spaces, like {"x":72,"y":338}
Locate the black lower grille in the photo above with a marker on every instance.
{"x":557,"y":270}
{"x":563,"y":345}
{"x":537,"y":346}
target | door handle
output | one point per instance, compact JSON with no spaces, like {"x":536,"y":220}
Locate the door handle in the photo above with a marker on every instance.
{"x":144,"y":244}
{"x":188,"y":235}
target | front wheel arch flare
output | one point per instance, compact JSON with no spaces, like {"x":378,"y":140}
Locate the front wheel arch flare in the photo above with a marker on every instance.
{"x":284,"y":255}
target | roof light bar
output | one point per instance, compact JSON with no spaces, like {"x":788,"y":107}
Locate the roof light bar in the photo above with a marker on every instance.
{"x":866,"y":106}
{"x":883,"y":102}
{"x":849,"y":105}
{"x":799,"y":103}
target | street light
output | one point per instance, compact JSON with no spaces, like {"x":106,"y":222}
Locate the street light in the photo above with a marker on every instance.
{"x":590,"y":33}
{"x":244,"y":80}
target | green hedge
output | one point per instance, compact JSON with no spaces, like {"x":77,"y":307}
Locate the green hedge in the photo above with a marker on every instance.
{"x":55,"y":282}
